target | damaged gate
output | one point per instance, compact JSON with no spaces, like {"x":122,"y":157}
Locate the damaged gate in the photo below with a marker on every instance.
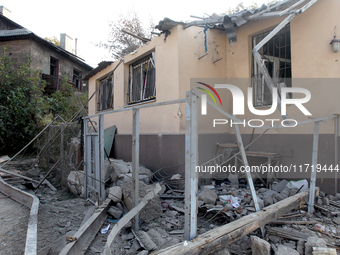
{"x":94,"y":160}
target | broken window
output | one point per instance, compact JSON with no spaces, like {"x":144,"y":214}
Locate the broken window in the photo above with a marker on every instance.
{"x":54,"y":66}
{"x":77,"y":79}
{"x":276,"y":56}
{"x":142,"y":80}
{"x":105,"y":94}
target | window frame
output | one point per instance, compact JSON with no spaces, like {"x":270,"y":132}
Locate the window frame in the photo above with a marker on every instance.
{"x":281,"y":76}
{"x":77,"y":77}
{"x":104,"y":89}
{"x":142,"y":80}
{"x":54,"y":67}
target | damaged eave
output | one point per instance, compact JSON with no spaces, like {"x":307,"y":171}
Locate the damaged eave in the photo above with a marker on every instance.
{"x":229,"y":22}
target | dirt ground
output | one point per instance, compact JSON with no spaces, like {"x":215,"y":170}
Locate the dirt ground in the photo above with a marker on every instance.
{"x":13,"y":226}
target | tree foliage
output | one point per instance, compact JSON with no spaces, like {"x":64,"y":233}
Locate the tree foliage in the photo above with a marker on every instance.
{"x":53,"y":40}
{"x":20,"y":91}
{"x":24,"y":108}
{"x":240,"y":6}
{"x":119,"y":43}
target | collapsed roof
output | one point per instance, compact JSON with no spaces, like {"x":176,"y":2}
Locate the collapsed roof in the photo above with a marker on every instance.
{"x":229,"y":22}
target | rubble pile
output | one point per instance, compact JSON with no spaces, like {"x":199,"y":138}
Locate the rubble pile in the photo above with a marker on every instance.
{"x":162,"y":220}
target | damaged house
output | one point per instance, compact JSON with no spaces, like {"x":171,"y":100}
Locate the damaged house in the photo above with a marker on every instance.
{"x":161,"y":159}
{"x":298,"y":54}
{"x":54,"y":61}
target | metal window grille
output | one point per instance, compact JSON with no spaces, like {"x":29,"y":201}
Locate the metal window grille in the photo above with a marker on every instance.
{"x":142,"y":80}
{"x":105,"y":94}
{"x":276,"y":56}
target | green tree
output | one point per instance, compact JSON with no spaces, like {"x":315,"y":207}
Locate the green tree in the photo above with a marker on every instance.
{"x":119,"y":43}
{"x":53,"y":40}
{"x":24,"y":109}
{"x":20,"y":95}
{"x":240,"y":6}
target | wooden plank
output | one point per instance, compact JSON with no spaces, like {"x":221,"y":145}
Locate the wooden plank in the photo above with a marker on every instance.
{"x":123,"y":221}
{"x":87,"y":231}
{"x":283,"y":222}
{"x":218,"y":238}
{"x":18,"y":175}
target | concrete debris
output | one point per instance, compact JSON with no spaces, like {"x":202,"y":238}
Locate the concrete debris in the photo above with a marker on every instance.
{"x":259,"y":246}
{"x":280,"y":186}
{"x":115,"y":212}
{"x":115,"y":193}
{"x":208,"y":196}
{"x":145,"y":241}
{"x":175,"y":177}
{"x":314,"y":242}
{"x":150,"y":212}
{"x":285,"y":250}
{"x":76,"y":183}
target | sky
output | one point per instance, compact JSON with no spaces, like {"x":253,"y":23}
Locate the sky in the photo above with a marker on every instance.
{"x":88,"y":21}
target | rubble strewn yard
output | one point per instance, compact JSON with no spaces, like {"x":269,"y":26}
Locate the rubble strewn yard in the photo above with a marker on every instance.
{"x":61,"y":215}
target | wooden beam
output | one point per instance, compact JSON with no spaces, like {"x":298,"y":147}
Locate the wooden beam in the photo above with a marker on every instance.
{"x":88,"y":231}
{"x":218,"y":238}
{"x":18,"y":175}
{"x":123,"y":221}
{"x":143,"y":39}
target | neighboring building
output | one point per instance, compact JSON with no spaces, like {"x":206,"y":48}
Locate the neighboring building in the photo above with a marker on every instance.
{"x":54,"y":62}
{"x":163,"y":69}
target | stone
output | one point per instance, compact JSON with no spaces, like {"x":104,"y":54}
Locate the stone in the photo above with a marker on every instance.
{"x":280,"y":186}
{"x":223,"y":251}
{"x":300,"y":246}
{"x":337,"y":195}
{"x":120,"y":166}
{"x":32,"y":173}
{"x":262,"y":190}
{"x":326,"y":201}
{"x":115,"y":193}
{"x":336,"y":220}
{"x":332,"y":198}
{"x":76,"y":183}
{"x":285,"y":250}
{"x":285,"y":192}
{"x":322,"y":194}
{"x":319,"y":201}
{"x":259,"y":246}
{"x":268,"y":201}
{"x":280,"y":196}
{"x":208,"y":196}
{"x":269,"y":193}
{"x":314,"y":242}
{"x":152,"y":210}
{"x":293,"y":191}
{"x":143,"y":253}
{"x":115,"y":212}
{"x":274,"y":239}
{"x":259,"y":201}
{"x":109,"y":171}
